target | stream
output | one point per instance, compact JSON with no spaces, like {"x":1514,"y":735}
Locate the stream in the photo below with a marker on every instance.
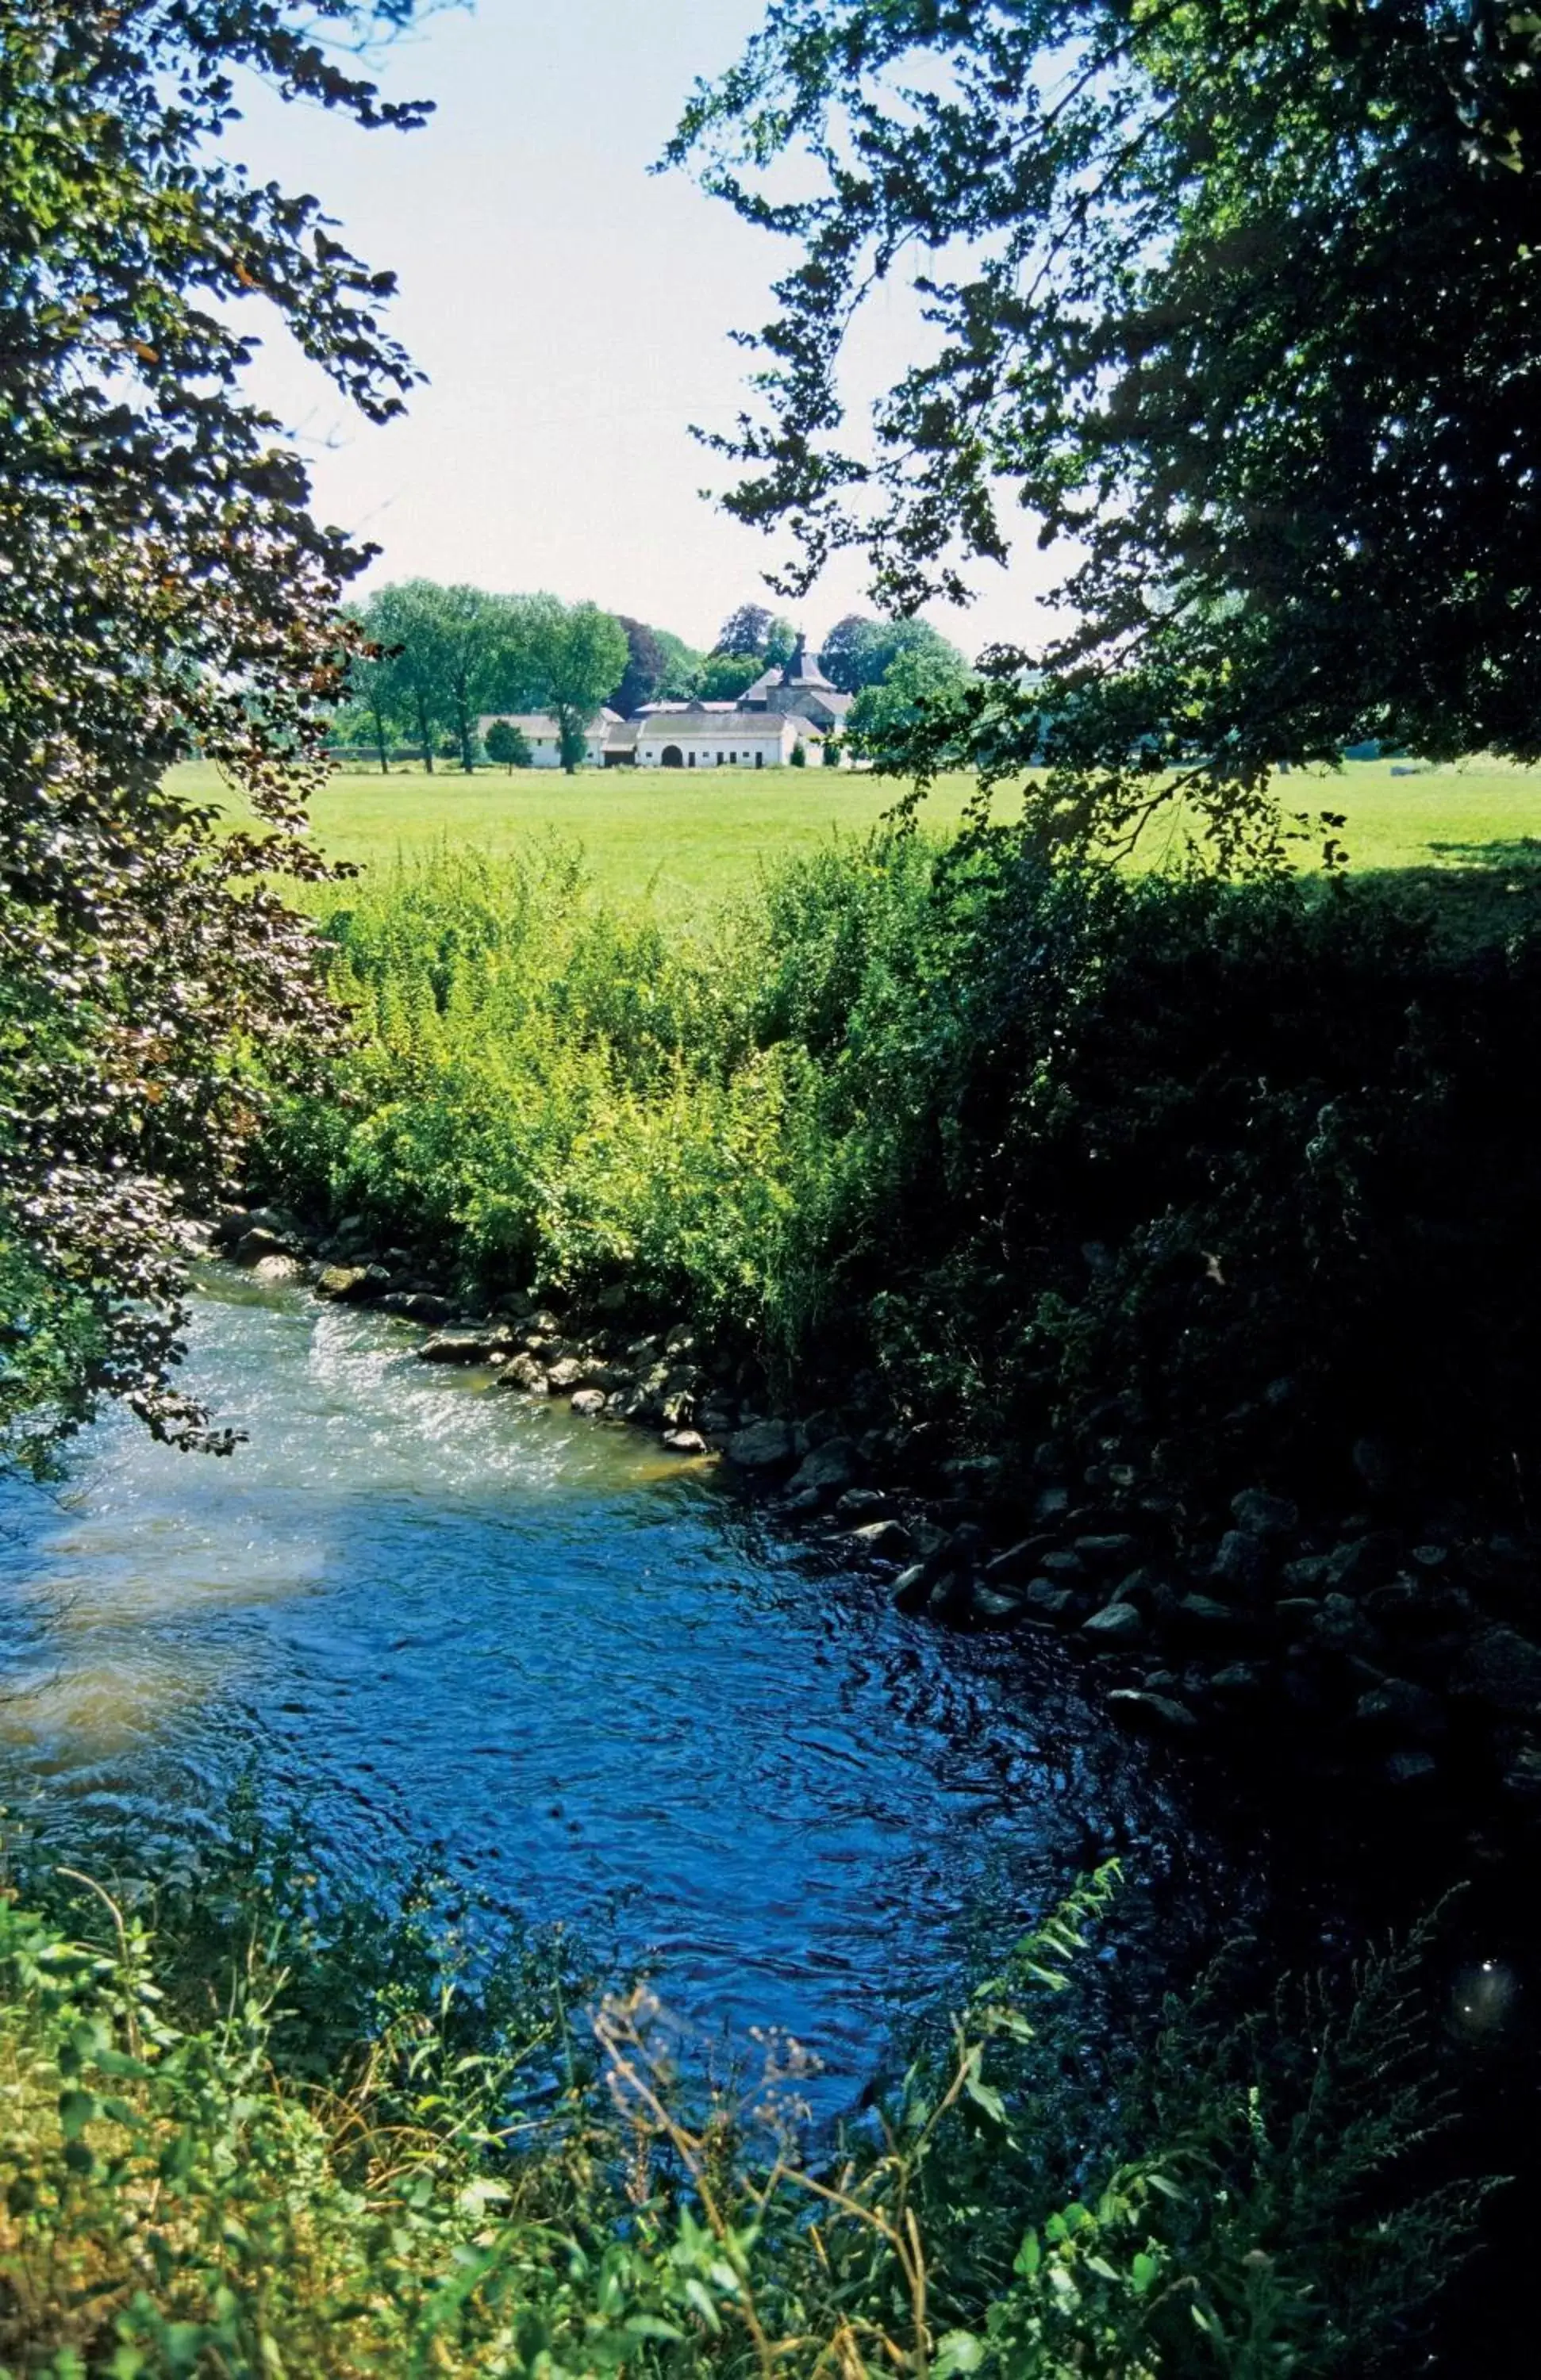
{"x":541,"y":1655}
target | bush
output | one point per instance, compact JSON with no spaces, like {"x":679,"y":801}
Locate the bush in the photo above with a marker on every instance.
{"x":1242,"y":1176}
{"x":287,"y":2133}
{"x":508,"y":745}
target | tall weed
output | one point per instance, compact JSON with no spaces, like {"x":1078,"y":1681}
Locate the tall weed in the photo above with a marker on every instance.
{"x":1247,"y":1172}
{"x":469,"y":2182}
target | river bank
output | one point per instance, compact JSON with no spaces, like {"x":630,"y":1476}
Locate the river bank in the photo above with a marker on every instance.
{"x":1377,"y":1659}
{"x":1148,"y":1264}
{"x":469,"y":1635}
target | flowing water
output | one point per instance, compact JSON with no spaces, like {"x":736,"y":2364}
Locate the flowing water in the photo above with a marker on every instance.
{"x":541,"y":1653}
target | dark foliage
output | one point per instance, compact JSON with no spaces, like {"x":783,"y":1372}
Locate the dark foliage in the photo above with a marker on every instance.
{"x":163,"y":590}
{"x":858,"y":652}
{"x":753,"y":629}
{"x":1243,"y":1176}
{"x":647,"y":666}
{"x":1239,"y":297}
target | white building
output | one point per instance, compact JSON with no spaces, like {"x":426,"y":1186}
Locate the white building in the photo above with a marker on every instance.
{"x":543,"y":735}
{"x":710,"y":735}
{"x":783,"y":709}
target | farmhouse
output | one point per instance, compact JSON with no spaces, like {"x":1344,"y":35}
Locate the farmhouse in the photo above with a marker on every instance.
{"x":801,"y":690}
{"x":782,"y":709}
{"x":708,"y":736}
{"x":542,"y":734}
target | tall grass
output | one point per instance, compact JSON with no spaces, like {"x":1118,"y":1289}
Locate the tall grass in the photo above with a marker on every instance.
{"x":1243,"y":1171}
{"x":259,"y":2131}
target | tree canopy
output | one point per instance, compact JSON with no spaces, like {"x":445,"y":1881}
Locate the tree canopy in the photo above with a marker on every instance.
{"x":580,"y":654}
{"x":755,"y":629}
{"x":646,"y":663}
{"x":508,"y":745}
{"x":436,"y":658}
{"x":724,"y":676}
{"x":859,"y":651}
{"x":164,"y":589}
{"x":920,"y":684}
{"x":1235,"y":301}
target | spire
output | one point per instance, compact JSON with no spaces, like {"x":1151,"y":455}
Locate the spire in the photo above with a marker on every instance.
{"x":799,"y":670}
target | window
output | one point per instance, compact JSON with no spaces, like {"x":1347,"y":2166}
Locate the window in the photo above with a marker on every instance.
{"x":719,"y":760}
{"x":692,"y":760}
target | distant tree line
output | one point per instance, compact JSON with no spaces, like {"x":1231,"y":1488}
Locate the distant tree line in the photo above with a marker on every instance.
{"x":435,"y":660}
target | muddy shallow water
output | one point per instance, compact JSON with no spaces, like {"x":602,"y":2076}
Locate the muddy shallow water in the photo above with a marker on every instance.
{"x":542,"y":1653}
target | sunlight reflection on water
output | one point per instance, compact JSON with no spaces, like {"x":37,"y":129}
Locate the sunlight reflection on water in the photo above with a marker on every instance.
{"x":454,"y":1623}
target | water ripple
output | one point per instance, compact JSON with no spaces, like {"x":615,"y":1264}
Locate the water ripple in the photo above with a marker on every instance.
{"x":451,"y":1621}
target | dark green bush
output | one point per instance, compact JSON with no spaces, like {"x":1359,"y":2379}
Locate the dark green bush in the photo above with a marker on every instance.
{"x":1243,"y":1175}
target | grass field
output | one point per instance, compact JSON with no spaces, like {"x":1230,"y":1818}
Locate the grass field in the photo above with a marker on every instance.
{"x":690,"y":841}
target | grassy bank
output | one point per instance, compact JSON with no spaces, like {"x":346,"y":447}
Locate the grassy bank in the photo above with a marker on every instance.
{"x":696,"y":841}
{"x":253,"y":2130}
{"x":1242,"y":1177}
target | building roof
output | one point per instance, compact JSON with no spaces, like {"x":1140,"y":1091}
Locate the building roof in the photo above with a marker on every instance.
{"x":528,"y":722}
{"x":801,"y":672}
{"x":540,"y":722}
{"x":679,"y":706}
{"x":788,"y":689}
{"x":697,"y":719}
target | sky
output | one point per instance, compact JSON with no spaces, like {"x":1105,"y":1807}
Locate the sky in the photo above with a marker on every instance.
{"x":573,"y":315}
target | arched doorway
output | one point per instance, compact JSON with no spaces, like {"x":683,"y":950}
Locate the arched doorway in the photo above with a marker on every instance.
{"x":670,"y":757}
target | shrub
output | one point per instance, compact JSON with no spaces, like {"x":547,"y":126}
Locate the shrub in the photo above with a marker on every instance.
{"x":1241,"y":1173}
{"x":290,"y":2135}
{"x":508,"y":745}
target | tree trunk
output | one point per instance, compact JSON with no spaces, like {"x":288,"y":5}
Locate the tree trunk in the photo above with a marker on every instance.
{"x":379,"y":718}
{"x":425,"y":737}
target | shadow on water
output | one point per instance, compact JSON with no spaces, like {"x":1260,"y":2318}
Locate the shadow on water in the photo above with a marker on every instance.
{"x":540,"y":1654}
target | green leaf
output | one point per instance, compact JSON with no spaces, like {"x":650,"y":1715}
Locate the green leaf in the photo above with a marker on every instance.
{"x":984,"y":2096}
{"x":700,"y":2300}
{"x":958,"y":2350}
{"x":1029,"y":2256}
{"x":77,"y":2110}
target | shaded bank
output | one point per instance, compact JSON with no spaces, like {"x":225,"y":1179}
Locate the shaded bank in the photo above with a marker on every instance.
{"x":1172,"y":1238}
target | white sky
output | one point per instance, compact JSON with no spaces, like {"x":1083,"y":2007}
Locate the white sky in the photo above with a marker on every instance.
{"x":572,"y":314}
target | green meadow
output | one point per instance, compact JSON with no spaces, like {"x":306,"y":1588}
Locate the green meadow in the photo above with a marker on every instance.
{"x":691,"y":841}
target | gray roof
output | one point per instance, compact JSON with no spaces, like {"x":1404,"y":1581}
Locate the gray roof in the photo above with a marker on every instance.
{"x":530,"y":722}
{"x":540,"y":722}
{"x":725,"y":722}
{"x":800,"y":671}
